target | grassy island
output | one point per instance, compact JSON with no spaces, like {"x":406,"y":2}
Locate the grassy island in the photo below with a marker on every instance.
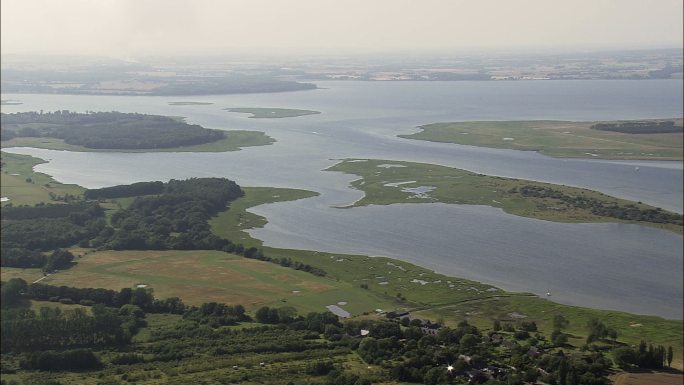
{"x":121,"y":132}
{"x":388,"y":182}
{"x":565,"y":139}
{"x":272,"y":113}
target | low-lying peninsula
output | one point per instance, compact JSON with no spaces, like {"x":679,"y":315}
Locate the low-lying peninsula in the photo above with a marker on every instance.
{"x":659,"y":139}
{"x":388,"y":182}
{"x":117,"y":131}
{"x":272,"y":113}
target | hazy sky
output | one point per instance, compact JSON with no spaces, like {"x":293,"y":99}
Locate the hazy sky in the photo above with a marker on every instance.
{"x":123,"y":28}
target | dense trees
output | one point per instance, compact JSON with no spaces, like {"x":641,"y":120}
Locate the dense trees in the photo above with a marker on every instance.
{"x":11,"y":291}
{"x":24,"y":330}
{"x":643,"y":356}
{"x":606,"y":209}
{"x":130,"y":190}
{"x":108,"y":130}
{"x":645,"y":127}
{"x":174,"y":219}
{"x":171,"y":215}
{"x":76,"y":359}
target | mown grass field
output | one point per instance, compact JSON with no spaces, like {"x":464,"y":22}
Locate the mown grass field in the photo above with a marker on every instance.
{"x":208,"y":276}
{"x":234,"y":141}
{"x":272,"y":113}
{"x":556,"y":138}
{"x":16,"y":169}
{"x":384,"y":182}
{"x":649,"y":379}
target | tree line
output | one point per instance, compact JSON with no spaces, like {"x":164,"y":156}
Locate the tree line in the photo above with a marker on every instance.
{"x":108,"y":130}
{"x":644,"y":127}
{"x":605,"y":209}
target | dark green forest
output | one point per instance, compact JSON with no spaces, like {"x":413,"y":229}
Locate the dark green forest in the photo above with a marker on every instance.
{"x":645,"y":127}
{"x":107,"y":130}
{"x":163,"y":216}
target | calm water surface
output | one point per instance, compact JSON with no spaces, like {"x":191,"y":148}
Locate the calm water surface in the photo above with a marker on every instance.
{"x":626,"y":267}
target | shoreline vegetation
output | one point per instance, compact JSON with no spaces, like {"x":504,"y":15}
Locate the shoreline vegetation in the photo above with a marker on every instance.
{"x":388,"y":182}
{"x":272,"y":113}
{"x":358,"y":284}
{"x":119,"y":132}
{"x":566,"y":139}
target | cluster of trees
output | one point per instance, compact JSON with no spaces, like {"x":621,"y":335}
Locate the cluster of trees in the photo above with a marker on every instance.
{"x":78,"y":212}
{"x":75,"y":359}
{"x":588,"y":369}
{"x":108,"y":130}
{"x":129,"y":190}
{"x":651,"y":357}
{"x":177,"y":218}
{"x":217,"y":314}
{"x":141,"y":297}
{"x":28,"y":232}
{"x":597,"y":330}
{"x":645,"y":127}
{"x":24,"y":330}
{"x":605,"y":209}
{"x":49,"y":227}
{"x":171,"y":215}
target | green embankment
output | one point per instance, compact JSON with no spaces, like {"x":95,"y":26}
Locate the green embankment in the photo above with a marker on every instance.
{"x":23,"y":186}
{"x":556,"y":138}
{"x":272,"y":113}
{"x":234,"y":141}
{"x":388,"y":182}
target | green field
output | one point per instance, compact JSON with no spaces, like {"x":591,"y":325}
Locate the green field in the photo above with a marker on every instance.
{"x":17,"y":170}
{"x":389,"y":182}
{"x":206,"y":276}
{"x":272,"y":113}
{"x":234,"y":141}
{"x":556,"y":138}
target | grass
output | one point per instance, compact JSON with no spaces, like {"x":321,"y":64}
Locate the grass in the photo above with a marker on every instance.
{"x":234,"y":141}
{"x":385,"y":182}
{"x":20,"y":191}
{"x":649,"y":379}
{"x":206,"y":276}
{"x":271,"y":113}
{"x":556,"y":138}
